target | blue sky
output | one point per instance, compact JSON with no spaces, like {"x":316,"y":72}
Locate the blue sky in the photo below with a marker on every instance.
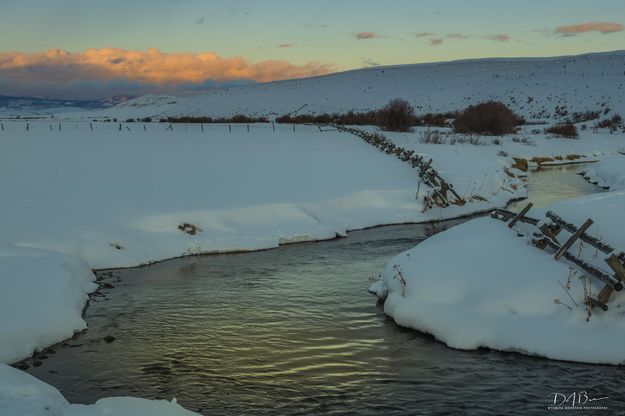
{"x":321,"y":31}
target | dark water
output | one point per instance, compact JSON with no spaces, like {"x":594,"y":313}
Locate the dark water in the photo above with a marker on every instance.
{"x":293,"y":331}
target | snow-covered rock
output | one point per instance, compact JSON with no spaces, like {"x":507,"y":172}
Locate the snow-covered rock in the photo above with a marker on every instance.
{"x":480,"y":285}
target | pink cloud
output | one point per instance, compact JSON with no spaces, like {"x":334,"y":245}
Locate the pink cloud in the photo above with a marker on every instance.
{"x":152,"y":69}
{"x":436,"y":41}
{"x":601,"y":27}
{"x":423,"y":34}
{"x":502,"y":37}
{"x":365,"y":35}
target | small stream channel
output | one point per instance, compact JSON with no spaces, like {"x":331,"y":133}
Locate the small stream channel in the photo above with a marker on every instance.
{"x":293,"y":331}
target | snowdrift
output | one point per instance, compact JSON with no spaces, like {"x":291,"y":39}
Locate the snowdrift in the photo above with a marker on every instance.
{"x":480,"y":285}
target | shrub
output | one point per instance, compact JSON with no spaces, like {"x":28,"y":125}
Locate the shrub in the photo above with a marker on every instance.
{"x":397,"y":115}
{"x":437,"y":120}
{"x":567,"y":130}
{"x":432,"y":137}
{"x":610,"y":123}
{"x":490,"y":118}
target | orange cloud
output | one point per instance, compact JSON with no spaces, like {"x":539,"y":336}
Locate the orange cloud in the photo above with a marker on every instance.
{"x":601,"y":27}
{"x":151,"y":67}
{"x":365,"y":35}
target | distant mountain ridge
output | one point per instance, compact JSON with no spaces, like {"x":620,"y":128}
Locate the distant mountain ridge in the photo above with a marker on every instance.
{"x":536,"y":88}
{"x":32,"y":106}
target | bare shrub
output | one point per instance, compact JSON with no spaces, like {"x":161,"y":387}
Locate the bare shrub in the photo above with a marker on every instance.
{"x":567,"y":130}
{"x":397,"y":115}
{"x":489,"y":118}
{"x":524,"y":140}
{"x":436,"y":120}
{"x":474,"y":140}
{"x":610,"y":123}
{"x":432,"y":137}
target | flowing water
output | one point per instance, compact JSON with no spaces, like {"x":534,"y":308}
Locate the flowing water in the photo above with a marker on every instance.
{"x":293,"y":331}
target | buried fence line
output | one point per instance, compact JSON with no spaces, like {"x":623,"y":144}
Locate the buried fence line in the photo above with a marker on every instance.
{"x":546,"y":238}
{"x":427,"y":174}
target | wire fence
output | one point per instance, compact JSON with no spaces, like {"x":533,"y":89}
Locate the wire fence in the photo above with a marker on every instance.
{"x":14,"y":126}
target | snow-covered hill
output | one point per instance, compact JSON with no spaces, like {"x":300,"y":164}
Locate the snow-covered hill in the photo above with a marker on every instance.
{"x":43,"y":106}
{"x":533,"y":87}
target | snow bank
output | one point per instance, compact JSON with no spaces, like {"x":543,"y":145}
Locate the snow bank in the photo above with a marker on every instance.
{"x":480,"y":285}
{"x":608,"y":173}
{"x":117,"y":198}
{"x":24,"y":395}
{"x":41,"y":301}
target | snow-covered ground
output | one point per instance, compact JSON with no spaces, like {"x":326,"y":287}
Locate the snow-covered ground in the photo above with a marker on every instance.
{"x":532,"y":87}
{"x":480,"y":285}
{"x":608,"y":173}
{"x":77,"y":199}
{"x":24,"y":395}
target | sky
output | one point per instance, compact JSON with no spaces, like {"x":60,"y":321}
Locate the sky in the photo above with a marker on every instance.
{"x":97,"y":48}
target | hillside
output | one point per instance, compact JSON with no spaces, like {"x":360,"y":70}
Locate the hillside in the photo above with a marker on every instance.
{"x":536,"y":88}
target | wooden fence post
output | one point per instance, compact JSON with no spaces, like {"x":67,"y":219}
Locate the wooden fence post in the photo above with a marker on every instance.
{"x":573,"y":238}
{"x":520,"y":215}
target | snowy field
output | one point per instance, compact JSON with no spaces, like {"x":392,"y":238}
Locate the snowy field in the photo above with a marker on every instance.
{"x":79,"y":199}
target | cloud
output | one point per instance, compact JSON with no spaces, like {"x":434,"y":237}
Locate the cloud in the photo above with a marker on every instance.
{"x":95,"y":73}
{"x":422,"y":34}
{"x":457,"y":36}
{"x":365,"y":35}
{"x":285,"y":45}
{"x":436,"y":41}
{"x":502,"y":37}
{"x":601,"y":27}
{"x":200,"y":21}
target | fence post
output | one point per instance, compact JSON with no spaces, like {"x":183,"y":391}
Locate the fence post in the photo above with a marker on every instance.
{"x":59,"y":126}
{"x":27,"y":125}
{"x":91,"y":125}
{"x":230,"y":128}
{"x":144,"y":128}
{"x":202,"y":127}
{"x":2,"y":126}
{"x":273,"y":126}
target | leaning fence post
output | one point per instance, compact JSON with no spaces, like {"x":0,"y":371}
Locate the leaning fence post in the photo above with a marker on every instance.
{"x":520,"y":215}
{"x":91,"y":126}
{"x":573,"y":238}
